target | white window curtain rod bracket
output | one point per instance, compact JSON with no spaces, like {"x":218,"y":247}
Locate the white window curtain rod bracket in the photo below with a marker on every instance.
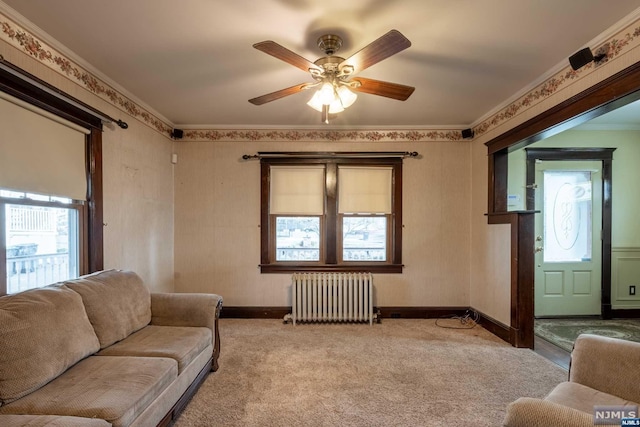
{"x":337,"y":154}
{"x":10,"y":68}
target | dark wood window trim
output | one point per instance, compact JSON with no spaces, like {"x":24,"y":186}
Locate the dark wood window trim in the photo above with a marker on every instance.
{"x":330,"y":224}
{"x":613,"y":92}
{"x":93,"y":212}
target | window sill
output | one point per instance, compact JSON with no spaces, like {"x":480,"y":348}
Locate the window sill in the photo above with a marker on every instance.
{"x":369,"y":268}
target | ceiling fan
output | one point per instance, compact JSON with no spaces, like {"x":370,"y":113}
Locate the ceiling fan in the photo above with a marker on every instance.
{"x":334,"y":75}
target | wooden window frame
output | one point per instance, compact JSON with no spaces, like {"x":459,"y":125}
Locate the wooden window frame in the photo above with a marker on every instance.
{"x":330,"y":222}
{"x":92,"y":245}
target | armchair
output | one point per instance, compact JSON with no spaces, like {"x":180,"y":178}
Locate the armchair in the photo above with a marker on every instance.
{"x":603,"y":371}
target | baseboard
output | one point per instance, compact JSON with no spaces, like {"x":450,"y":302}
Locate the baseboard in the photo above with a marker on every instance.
{"x":245,"y":312}
{"x":420,"y":312}
{"x":499,"y":329}
{"x":622,"y":313}
{"x":254,"y":312}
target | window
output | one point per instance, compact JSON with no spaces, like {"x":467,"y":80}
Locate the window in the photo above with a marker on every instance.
{"x":43,"y":237}
{"x":50,"y":199}
{"x":331,"y":214}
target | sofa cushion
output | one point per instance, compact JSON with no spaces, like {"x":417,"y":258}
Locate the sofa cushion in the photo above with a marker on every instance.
{"x":183,"y":344}
{"x":583,"y":398}
{"x":42,"y":333}
{"x":50,"y":421}
{"x":115,"y":389}
{"x":117,"y":303}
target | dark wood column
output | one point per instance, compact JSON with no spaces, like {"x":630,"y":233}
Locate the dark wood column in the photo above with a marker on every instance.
{"x":522,"y":274}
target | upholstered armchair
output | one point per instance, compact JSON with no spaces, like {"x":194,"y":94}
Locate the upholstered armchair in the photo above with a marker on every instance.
{"x":603,"y":372}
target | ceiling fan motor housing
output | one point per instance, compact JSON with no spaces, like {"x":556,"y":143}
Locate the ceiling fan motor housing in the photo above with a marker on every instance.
{"x":329,"y":43}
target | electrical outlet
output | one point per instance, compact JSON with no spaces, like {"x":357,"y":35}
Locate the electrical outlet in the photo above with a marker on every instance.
{"x":632,"y":290}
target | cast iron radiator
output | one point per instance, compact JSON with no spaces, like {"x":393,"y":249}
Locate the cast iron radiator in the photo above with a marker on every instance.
{"x":331,"y":297}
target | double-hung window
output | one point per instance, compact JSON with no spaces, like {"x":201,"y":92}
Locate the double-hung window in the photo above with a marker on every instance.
{"x":43,"y":191}
{"x":331,"y":214}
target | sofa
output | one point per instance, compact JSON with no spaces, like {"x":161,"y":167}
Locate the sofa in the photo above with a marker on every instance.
{"x":603,"y":372}
{"x":101,"y":350}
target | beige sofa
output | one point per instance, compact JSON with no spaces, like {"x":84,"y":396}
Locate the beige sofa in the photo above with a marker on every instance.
{"x":603,"y":372}
{"x":102,"y":350}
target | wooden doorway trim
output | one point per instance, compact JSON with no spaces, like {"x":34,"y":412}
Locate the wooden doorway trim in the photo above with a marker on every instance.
{"x":613,"y":92}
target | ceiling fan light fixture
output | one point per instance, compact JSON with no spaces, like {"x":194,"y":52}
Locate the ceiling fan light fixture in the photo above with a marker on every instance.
{"x":315,"y":102}
{"x":337,"y":99}
{"x":347,"y":97}
{"x":326,"y":93}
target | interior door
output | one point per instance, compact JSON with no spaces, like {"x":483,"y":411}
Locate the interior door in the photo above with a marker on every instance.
{"x":568,"y":238}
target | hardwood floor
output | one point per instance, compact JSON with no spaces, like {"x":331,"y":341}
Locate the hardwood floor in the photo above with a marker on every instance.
{"x":552,"y":352}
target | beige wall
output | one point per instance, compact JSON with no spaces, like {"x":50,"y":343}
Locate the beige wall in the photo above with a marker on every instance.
{"x":490,"y":285}
{"x":217,"y":217}
{"x":138,"y":185}
{"x":138,"y":203}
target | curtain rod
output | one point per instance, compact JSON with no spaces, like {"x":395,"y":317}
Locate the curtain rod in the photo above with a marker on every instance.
{"x":333,"y":154}
{"x":46,"y":87}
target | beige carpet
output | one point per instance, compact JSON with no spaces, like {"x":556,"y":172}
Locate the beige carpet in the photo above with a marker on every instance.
{"x":398,"y":373}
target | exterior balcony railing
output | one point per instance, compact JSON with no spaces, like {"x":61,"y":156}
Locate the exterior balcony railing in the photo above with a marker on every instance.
{"x":34,"y":271}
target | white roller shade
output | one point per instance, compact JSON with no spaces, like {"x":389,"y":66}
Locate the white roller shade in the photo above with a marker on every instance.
{"x":297,"y":190}
{"x":40,"y":153}
{"x":364,"y":189}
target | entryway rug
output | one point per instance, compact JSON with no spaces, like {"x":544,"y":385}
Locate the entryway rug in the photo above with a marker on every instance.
{"x":563,"y":332}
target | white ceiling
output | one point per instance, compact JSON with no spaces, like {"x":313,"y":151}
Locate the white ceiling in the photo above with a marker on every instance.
{"x":192,"y":61}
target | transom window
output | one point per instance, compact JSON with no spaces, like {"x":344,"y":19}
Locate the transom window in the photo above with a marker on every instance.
{"x":331,"y":214}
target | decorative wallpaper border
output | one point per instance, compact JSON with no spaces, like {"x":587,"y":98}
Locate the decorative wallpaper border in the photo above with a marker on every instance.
{"x":320,"y":135}
{"x":21,"y":39}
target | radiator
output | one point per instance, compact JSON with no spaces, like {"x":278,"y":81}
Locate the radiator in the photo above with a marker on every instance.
{"x":332,"y":297}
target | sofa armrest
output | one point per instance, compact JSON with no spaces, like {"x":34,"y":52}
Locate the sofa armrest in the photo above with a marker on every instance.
{"x":607,"y":364}
{"x":530,"y":412}
{"x":185,"y":309}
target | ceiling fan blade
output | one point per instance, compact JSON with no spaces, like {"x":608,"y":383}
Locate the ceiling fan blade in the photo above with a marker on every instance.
{"x":378,"y":50}
{"x":388,"y":89}
{"x":274,"y":49}
{"x":278,"y":94}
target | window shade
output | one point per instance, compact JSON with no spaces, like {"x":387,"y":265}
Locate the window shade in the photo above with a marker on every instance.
{"x":364,"y":189}
{"x":297,"y":190}
{"x":39,"y":152}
